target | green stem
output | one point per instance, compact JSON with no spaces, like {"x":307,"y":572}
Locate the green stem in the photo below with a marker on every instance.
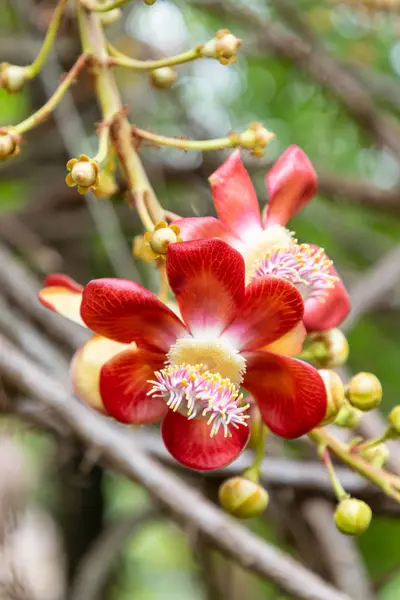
{"x":94,"y":41}
{"x":339,"y":490}
{"x":388,"y":483}
{"x":104,"y":144}
{"x":387,"y":435}
{"x":182,"y":144}
{"x":253,"y":472}
{"x":95,"y":7}
{"x":33,"y":69}
{"x":52,"y":102}
{"x":122,"y":60}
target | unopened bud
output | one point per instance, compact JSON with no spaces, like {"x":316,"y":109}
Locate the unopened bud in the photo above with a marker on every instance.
{"x":9,"y":143}
{"x":334,"y":393}
{"x":255,"y":138}
{"x":353,"y":516}
{"x":394,"y":419}
{"x":364,"y":391}
{"x":149,"y":2}
{"x":256,"y":424}
{"x":84,"y":173}
{"x":162,"y":236}
{"x":12,"y":77}
{"x":141,"y":249}
{"x":348,"y":416}
{"x":243,"y":498}
{"x":163,"y":77}
{"x":328,"y":349}
{"x":111,"y":16}
{"x":223,"y":46}
{"x":106,"y":185}
{"x":377,"y":455}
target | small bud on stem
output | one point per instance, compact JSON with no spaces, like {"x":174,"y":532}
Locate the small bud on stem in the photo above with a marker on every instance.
{"x":327,"y":349}
{"x":12,"y":77}
{"x":353,"y":516}
{"x":243,"y":498}
{"x":163,"y":77}
{"x":364,"y":391}
{"x":335,"y":395}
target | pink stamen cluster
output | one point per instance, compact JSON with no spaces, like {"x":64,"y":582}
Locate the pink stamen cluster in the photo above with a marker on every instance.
{"x":302,"y":265}
{"x":196,"y":392}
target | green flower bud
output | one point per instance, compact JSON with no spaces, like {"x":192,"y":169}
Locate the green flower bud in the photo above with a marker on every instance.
{"x":12,"y":77}
{"x":255,"y":138}
{"x":394,"y":418}
{"x":353,"y":516}
{"x":163,"y":77}
{"x":9,"y":143}
{"x":223,"y":46}
{"x":335,"y":395}
{"x":364,"y":391}
{"x":111,"y":16}
{"x":243,"y":498}
{"x":328,"y":349}
{"x":348,"y":416}
{"x":83,"y":172}
{"x":377,"y":455}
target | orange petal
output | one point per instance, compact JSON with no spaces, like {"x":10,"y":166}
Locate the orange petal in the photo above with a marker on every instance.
{"x":69,"y":180}
{"x":63,"y":301}
{"x":86,"y":366}
{"x":71,"y":163}
{"x":290,"y":344}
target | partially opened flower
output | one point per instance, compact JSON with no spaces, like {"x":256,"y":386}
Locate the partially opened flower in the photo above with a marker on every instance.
{"x":264,"y":240}
{"x":189,"y":371}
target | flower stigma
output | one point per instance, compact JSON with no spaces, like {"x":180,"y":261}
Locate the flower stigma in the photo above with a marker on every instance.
{"x":304,"y":266}
{"x":196,"y":393}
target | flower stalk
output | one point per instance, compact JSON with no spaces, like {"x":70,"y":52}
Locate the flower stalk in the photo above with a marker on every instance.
{"x":122,"y":60}
{"x":103,"y":7}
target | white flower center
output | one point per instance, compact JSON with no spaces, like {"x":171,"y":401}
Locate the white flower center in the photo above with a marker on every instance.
{"x":216,"y":356}
{"x":197,"y":393}
{"x":256,"y":249}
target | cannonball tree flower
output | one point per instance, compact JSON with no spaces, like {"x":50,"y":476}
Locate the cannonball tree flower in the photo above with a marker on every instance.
{"x":190,"y":370}
{"x":265,"y":243}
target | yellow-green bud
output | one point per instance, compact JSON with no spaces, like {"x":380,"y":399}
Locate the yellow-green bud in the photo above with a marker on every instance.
{"x":364,"y":391}
{"x":394,"y":418}
{"x":111,"y":16}
{"x":162,"y":236}
{"x":328,"y":349}
{"x":163,"y":77}
{"x":335,"y":395}
{"x":149,"y":2}
{"x":377,"y":455}
{"x":255,"y":138}
{"x":9,"y":143}
{"x":353,"y":516}
{"x":348,"y":416}
{"x":83,"y":172}
{"x":223,"y":46}
{"x":243,"y":498}
{"x":12,"y":77}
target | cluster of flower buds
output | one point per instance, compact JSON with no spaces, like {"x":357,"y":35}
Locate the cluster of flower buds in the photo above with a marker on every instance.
{"x":9,"y":143}
{"x":12,"y":77}
{"x":243,"y":498}
{"x":223,"y":47}
{"x":353,"y":516}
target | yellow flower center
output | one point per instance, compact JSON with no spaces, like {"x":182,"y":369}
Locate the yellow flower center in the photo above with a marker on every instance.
{"x":216,"y":357}
{"x":275,"y":236}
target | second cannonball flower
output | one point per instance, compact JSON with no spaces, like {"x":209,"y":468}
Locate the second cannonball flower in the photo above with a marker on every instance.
{"x":263,"y":240}
{"x":83,"y":173}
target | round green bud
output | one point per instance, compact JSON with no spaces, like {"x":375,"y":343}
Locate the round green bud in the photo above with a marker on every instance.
{"x":334,"y":394}
{"x":12,"y":77}
{"x":328,"y":349}
{"x":364,"y":391}
{"x":163,"y":77}
{"x":243,"y":498}
{"x":348,"y":416}
{"x":377,"y":455}
{"x":394,"y":418}
{"x":353,"y":516}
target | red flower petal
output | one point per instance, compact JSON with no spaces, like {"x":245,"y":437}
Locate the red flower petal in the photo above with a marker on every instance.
{"x":235,"y":198}
{"x":291,"y":183}
{"x":62,"y":295}
{"x":197,"y":228}
{"x":125,"y":312}
{"x":330,"y":313}
{"x":61,"y":280}
{"x":207,"y":278}
{"x":290,"y":393}
{"x":124,"y":387}
{"x":190,"y":443}
{"x":272,"y":307}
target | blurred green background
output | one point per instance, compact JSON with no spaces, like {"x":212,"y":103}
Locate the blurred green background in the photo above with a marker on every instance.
{"x":56,"y":230}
